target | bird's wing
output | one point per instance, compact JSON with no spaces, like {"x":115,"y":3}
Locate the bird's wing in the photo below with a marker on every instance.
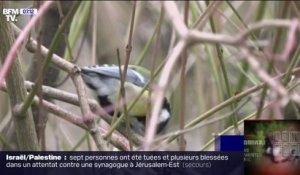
{"x":113,"y":71}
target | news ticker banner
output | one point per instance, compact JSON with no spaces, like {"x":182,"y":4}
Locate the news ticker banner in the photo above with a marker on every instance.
{"x":268,"y":147}
{"x":121,"y":162}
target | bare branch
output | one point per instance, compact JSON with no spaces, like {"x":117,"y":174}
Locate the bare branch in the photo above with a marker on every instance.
{"x":174,"y":15}
{"x":290,"y":42}
{"x":159,"y":93}
{"x":117,"y":140}
{"x":74,"y":71}
{"x":187,"y":37}
{"x":273,"y":84}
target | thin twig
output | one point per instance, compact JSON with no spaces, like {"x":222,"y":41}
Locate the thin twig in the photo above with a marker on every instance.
{"x":224,"y":71}
{"x":211,"y":8}
{"x":124,"y":73}
{"x":160,"y":91}
{"x":153,"y":64}
{"x":117,"y":140}
{"x":182,"y":143}
{"x":88,"y":116}
{"x":174,"y":15}
{"x":290,"y":41}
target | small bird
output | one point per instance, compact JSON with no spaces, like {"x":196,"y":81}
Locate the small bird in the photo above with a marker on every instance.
{"x":105,"y":82}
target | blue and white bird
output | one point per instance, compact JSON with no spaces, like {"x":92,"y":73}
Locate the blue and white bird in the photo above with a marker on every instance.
{"x":105,"y":82}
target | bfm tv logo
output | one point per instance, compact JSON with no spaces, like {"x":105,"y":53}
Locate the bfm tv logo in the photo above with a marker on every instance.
{"x":11,"y":14}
